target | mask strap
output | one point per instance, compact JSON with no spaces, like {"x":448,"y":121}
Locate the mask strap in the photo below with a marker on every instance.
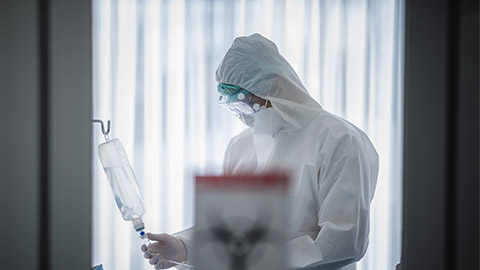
{"x":266,"y":103}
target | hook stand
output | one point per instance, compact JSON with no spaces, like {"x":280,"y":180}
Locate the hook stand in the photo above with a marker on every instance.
{"x":105,"y":132}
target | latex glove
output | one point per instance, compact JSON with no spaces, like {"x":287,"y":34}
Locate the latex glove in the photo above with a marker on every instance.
{"x":165,"y":247}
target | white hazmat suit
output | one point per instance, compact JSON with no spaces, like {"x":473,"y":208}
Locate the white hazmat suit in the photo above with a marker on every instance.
{"x":333,"y":163}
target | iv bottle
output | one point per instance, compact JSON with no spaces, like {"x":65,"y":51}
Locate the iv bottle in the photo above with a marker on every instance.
{"x":123,"y":182}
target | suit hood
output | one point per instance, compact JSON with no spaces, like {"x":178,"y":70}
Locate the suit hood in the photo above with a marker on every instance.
{"x":254,"y":63}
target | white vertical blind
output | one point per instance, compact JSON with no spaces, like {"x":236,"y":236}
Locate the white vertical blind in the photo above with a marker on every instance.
{"x":154,"y":65}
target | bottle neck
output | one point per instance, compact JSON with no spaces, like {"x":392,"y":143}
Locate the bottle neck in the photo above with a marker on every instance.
{"x":138,"y":224}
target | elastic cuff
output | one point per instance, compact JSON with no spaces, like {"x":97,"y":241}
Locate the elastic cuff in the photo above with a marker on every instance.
{"x":189,"y":247}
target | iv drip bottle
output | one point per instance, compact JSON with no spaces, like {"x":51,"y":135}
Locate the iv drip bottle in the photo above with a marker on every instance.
{"x":123,"y":182}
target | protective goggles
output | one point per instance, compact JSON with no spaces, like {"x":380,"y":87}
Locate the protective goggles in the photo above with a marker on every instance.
{"x":239,"y":101}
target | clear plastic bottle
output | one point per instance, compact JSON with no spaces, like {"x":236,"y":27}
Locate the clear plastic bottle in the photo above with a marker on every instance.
{"x":123,"y":182}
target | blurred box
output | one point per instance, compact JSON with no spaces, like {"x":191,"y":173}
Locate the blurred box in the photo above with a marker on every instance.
{"x":240,"y":222}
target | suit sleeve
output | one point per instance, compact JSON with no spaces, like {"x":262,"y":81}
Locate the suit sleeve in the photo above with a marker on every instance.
{"x":186,"y":237}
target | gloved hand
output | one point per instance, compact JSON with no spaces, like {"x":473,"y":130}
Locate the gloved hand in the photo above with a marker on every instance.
{"x":165,"y":247}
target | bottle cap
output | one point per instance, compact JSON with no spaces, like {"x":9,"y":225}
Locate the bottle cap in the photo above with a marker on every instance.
{"x":138,"y":224}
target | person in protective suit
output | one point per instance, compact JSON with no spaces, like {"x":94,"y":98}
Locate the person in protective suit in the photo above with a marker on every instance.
{"x":333,"y":163}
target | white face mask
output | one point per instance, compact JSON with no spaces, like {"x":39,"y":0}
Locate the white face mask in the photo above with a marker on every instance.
{"x":266,"y":121}
{"x":247,"y":120}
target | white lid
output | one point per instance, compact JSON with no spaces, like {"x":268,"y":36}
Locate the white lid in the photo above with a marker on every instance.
{"x":112,"y":154}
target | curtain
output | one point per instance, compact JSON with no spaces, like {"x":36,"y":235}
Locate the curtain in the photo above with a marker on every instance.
{"x":154,"y":64}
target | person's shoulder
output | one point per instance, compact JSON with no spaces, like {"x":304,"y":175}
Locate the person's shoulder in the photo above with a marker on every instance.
{"x":332,"y":124}
{"x":333,"y":129}
{"x":243,"y":137}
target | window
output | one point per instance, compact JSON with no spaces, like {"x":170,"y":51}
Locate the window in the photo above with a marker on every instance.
{"x":154,"y":64}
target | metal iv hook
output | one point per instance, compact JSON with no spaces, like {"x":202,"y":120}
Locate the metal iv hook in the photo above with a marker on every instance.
{"x":105,"y":132}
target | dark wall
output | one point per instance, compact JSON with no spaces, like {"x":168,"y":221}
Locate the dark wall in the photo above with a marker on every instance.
{"x":441,"y":135}
{"x":465,"y":222}
{"x":45,"y":134}
{"x":19,"y":135}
